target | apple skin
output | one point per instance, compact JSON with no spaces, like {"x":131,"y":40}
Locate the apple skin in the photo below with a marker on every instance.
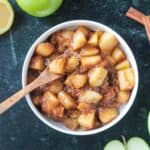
{"x":39,"y":8}
{"x":148,"y":123}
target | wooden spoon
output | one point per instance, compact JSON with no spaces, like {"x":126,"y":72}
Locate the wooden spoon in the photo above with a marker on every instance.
{"x":43,"y":78}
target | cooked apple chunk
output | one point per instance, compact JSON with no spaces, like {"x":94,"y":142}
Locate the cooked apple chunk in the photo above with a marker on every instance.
{"x":58,"y":112}
{"x":62,"y":39}
{"x":72,"y":64}
{"x":37,"y":100}
{"x":118,"y":55}
{"x":68,"y":81}
{"x":95,"y":38}
{"x":107,"y":114}
{"x":37,"y":63}
{"x":84,"y":30}
{"x":123,"y":97}
{"x":110,"y":60}
{"x":57,"y":66}
{"x":66,"y":100}
{"x":79,"y":80}
{"x":86,"y":120}
{"x":107,"y":42}
{"x":97,"y":76}
{"x":123,"y":65}
{"x":74,"y":114}
{"x":55,"y":86}
{"x":71,"y":123}
{"x":89,"y":96}
{"x":126,"y":79}
{"x":90,"y":61}
{"x":79,"y":40}
{"x":89,"y":51}
{"x":44,"y":49}
{"x":84,"y":106}
{"x":49,"y":102}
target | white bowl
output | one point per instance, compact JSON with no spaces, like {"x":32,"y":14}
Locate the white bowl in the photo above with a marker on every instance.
{"x":94,"y":26}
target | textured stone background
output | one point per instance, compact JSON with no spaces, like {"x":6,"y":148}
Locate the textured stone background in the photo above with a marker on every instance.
{"x":19,"y":127}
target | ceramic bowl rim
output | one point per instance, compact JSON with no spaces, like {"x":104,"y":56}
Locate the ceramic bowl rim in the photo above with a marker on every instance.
{"x":66,"y":25}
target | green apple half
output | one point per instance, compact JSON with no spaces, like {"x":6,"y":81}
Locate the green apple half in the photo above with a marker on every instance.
{"x":148,"y":123}
{"x":39,"y":8}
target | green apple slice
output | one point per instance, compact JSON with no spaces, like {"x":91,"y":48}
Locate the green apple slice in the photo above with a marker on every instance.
{"x":148,"y":123}
{"x":136,"y":143}
{"x":114,"y":145}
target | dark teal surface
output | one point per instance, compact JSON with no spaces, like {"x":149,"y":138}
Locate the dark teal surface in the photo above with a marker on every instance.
{"x":20,"y":129}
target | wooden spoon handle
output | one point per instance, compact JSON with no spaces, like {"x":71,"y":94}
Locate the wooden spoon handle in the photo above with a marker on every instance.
{"x":9,"y":102}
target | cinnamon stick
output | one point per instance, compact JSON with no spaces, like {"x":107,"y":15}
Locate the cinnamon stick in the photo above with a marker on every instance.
{"x":146,"y":21}
{"x":140,"y":18}
{"x":135,"y":15}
